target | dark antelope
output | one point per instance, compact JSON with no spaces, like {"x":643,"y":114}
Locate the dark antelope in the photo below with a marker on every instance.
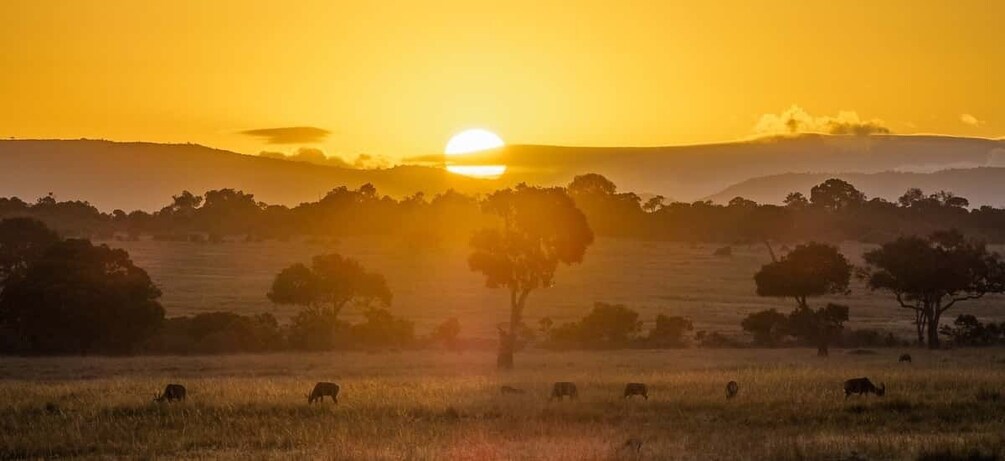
{"x":632,"y":389}
{"x":731,"y":389}
{"x":510,"y":390}
{"x":171,"y":393}
{"x":905,"y":358}
{"x":321,"y":390}
{"x":564,"y":389}
{"x":862,"y":386}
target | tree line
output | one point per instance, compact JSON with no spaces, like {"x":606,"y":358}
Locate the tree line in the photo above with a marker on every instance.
{"x":71,"y":296}
{"x":833,"y":211}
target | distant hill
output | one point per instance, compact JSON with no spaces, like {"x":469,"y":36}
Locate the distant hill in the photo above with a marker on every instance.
{"x":982,"y":186}
{"x":692,"y":172}
{"x":144,"y":175}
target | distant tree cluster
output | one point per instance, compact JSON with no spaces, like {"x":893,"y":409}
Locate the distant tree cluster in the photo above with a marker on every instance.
{"x":967,"y":330}
{"x":833,"y":211}
{"x":927,"y":276}
{"x":73,"y":297}
{"x":615,"y":326}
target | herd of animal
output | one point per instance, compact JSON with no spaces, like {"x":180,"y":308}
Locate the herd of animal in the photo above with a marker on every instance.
{"x":559,"y":390}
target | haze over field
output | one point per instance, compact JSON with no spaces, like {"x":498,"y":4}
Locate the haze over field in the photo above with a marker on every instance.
{"x":132,"y":176}
{"x":522,"y":230}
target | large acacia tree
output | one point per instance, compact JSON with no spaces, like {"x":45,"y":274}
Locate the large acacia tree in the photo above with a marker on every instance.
{"x":813,"y":269}
{"x":539,"y":229}
{"x":929,"y":276}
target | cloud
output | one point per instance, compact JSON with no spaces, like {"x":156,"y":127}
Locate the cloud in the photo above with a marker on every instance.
{"x":971,"y":120}
{"x":795,"y":120}
{"x":318,"y":157}
{"x":289,"y":135}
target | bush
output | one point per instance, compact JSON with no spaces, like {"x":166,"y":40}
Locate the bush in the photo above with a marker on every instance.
{"x":606,"y":326}
{"x":219,"y":333}
{"x":317,"y":330}
{"x":669,"y":331}
{"x":382,"y":329}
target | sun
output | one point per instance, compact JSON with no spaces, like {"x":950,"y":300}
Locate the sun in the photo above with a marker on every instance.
{"x":473,"y":140}
{"x":470,"y":141}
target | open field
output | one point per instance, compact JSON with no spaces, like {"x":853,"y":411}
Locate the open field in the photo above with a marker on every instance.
{"x":433,"y":284}
{"x":428,"y":405}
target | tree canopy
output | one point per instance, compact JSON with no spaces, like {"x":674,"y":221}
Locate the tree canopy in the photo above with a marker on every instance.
{"x":81,"y":298}
{"x":22,"y":240}
{"x":813,"y":269}
{"x":931,"y":275}
{"x":332,"y":282}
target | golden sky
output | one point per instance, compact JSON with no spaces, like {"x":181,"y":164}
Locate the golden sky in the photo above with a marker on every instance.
{"x":398,"y":78}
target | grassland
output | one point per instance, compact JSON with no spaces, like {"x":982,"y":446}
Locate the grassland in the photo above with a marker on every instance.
{"x":430,"y":405}
{"x":432,"y":284}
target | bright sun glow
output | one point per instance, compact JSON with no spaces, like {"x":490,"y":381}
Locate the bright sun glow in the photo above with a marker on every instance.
{"x":474,"y":140}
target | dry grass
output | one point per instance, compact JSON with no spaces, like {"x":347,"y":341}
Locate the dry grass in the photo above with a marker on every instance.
{"x":428,"y":405}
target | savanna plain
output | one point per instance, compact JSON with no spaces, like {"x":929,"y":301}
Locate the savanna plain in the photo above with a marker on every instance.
{"x":444,"y":405}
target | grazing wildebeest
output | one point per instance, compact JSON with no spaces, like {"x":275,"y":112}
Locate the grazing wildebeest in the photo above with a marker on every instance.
{"x":510,"y":390}
{"x":323,"y":389}
{"x":862,"y":386}
{"x":632,"y":389}
{"x":564,"y":389}
{"x":731,"y":389}
{"x":905,"y":358}
{"x":172,"y":392}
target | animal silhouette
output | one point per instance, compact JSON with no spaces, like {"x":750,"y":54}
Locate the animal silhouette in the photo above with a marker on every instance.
{"x":633,"y":389}
{"x":905,"y":358}
{"x":731,"y":389}
{"x":563,"y":389}
{"x":172,"y":392}
{"x":862,"y":386}
{"x":323,"y":389}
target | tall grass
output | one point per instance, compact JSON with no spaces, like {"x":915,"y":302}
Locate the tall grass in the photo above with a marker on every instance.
{"x":447,"y":406}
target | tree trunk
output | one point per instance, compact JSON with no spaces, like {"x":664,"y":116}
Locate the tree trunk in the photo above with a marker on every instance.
{"x":507,"y":340}
{"x":919,"y":325}
{"x":933,"y":330}
{"x":504,"y":361}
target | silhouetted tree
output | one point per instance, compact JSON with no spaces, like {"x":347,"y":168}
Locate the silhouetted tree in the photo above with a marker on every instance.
{"x":809,"y":270}
{"x":383,"y":329}
{"x":654,"y":204}
{"x":813,"y":269}
{"x":768,"y":327}
{"x":931,"y":275}
{"x":605,"y":326}
{"x":541,"y":228}
{"x":22,"y":240}
{"x":670,"y":331}
{"x":968,"y":331}
{"x":446,"y":333}
{"x":796,"y":200}
{"x":81,"y":298}
{"x":818,"y":327}
{"x":835,"y":195}
{"x":331,"y":283}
